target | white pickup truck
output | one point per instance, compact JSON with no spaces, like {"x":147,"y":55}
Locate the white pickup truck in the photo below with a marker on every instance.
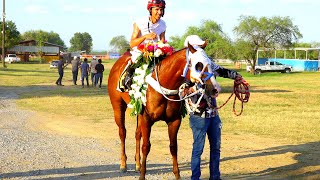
{"x":10,"y":58}
{"x":271,"y":66}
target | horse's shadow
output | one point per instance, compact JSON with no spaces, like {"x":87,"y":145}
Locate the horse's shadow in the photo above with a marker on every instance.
{"x":306,"y":166}
{"x":93,"y":172}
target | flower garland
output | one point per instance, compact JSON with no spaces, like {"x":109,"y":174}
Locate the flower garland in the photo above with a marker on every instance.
{"x":150,"y":53}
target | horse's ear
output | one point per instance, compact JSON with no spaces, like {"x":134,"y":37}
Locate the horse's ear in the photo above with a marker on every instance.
{"x":205,"y":44}
{"x":191,"y":48}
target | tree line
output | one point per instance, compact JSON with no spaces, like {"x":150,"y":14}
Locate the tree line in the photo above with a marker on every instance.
{"x":251,"y":34}
{"x":79,"y":41}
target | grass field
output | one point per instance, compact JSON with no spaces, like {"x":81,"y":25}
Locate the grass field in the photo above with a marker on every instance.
{"x":281,"y":106}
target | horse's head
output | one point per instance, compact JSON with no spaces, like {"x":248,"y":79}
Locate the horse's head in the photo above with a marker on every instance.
{"x":197,"y":56}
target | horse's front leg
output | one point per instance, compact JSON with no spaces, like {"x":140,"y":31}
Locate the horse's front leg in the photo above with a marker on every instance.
{"x":173,"y":128}
{"x":138,"y":139}
{"x":145,"y":131}
{"x":119,"y":116}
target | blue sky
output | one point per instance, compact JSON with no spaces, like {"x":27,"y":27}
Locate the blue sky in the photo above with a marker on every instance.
{"x":105,"y":19}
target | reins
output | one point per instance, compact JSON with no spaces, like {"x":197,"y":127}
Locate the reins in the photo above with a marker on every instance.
{"x":241,"y":92}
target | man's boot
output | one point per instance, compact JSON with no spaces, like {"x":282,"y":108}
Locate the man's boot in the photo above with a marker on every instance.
{"x":129,"y":77}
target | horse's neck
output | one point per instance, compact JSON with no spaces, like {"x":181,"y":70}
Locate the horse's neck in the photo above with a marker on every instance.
{"x":171,"y":70}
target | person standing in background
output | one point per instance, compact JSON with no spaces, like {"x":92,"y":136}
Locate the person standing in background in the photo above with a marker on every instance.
{"x":100,"y":70}
{"x":61,"y":67}
{"x":93,"y":70}
{"x":85,"y":72}
{"x":75,"y":69}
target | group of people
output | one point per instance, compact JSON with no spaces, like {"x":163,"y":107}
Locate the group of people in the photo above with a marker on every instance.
{"x":204,"y":119}
{"x":96,"y":69}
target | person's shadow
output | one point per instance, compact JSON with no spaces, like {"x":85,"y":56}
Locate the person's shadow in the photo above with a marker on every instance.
{"x":306,"y":166}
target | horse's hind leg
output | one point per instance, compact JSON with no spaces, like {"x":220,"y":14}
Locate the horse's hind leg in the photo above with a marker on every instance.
{"x":173,"y":128}
{"x":119,"y":116}
{"x":138,"y":139}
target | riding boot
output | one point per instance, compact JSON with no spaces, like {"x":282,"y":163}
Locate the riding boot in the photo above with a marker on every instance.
{"x":129,"y":77}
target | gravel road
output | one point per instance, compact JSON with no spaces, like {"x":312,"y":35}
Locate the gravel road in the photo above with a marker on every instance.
{"x":30,"y":154}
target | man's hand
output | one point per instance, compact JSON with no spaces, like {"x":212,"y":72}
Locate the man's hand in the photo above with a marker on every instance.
{"x":240,"y":80}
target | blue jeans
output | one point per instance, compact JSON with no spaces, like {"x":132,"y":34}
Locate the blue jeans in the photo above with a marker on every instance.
{"x":93,"y":78}
{"x":84,"y":76}
{"x":99,"y":77}
{"x":200,"y":128}
{"x":59,"y":81}
{"x":75,"y":77}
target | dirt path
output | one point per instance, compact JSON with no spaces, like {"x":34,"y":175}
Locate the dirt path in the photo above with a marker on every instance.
{"x":35,"y":145}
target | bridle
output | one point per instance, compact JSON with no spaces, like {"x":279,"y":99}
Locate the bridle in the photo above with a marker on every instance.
{"x":239,"y":86}
{"x":181,"y":87}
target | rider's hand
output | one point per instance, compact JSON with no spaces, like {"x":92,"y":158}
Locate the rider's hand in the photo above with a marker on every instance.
{"x":151,"y":36}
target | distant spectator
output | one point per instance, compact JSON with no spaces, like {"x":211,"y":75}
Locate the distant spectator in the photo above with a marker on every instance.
{"x":61,"y":67}
{"x":93,"y":70}
{"x":99,"y":75}
{"x":85,"y":72}
{"x":127,"y":52}
{"x":75,"y":69}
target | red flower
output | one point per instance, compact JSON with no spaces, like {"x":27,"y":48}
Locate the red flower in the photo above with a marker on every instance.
{"x":141,"y":47}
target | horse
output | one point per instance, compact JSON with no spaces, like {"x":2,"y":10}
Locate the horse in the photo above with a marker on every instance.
{"x":158,"y":107}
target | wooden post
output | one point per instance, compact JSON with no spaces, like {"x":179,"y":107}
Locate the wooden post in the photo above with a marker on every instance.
{"x":3,"y":33}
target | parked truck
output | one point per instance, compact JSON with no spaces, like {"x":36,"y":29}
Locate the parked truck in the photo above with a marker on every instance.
{"x":271,"y":66}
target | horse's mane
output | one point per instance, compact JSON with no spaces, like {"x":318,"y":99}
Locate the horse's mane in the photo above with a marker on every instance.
{"x":173,"y":55}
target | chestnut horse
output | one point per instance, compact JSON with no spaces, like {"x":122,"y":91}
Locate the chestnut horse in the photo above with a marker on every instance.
{"x":169,"y":72}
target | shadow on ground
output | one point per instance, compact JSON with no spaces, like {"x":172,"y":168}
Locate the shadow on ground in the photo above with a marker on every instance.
{"x":306,"y":166}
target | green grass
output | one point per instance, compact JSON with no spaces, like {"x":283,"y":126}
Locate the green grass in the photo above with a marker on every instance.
{"x":281,"y":106}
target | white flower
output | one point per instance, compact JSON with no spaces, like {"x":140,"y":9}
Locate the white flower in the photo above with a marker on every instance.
{"x":145,"y":67}
{"x":137,"y":95}
{"x":161,"y":44}
{"x":144,"y":100}
{"x":136,"y":78}
{"x":135,"y":54}
{"x":130,"y":106}
{"x":134,"y":86}
{"x":131,"y":92}
{"x":158,"y":52}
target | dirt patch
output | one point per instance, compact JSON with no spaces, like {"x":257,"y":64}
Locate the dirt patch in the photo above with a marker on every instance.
{"x":243,"y":156}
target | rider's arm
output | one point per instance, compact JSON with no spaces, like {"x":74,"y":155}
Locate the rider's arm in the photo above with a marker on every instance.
{"x":136,"y":37}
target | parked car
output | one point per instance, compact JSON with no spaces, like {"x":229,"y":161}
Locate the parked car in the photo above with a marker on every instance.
{"x":271,"y":66}
{"x":54,"y":64}
{"x":10,"y":58}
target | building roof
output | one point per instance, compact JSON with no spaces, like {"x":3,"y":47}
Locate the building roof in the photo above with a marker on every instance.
{"x":45,"y":43}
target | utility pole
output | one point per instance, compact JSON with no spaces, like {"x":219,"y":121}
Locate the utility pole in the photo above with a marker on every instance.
{"x":3,"y":31}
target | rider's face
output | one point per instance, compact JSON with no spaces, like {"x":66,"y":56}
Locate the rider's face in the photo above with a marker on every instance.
{"x":156,"y":12}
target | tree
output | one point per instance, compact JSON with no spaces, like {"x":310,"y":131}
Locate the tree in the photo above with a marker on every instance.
{"x":220,"y":45}
{"x":12,"y":35}
{"x":43,"y":36}
{"x":119,"y":44}
{"x":81,"y":42}
{"x":253,"y":34}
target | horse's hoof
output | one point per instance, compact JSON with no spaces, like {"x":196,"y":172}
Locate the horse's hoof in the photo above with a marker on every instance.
{"x":138,"y":169}
{"x":123,"y":170}
{"x":142,"y":178}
